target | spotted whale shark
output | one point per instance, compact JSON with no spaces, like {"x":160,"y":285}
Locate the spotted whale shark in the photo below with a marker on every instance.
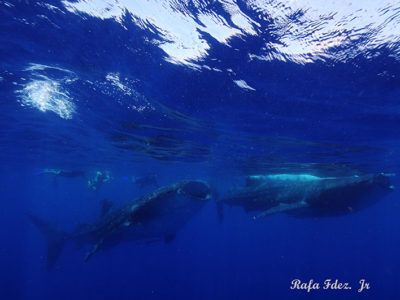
{"x":307,"y":194}
{"x":154,"y":217}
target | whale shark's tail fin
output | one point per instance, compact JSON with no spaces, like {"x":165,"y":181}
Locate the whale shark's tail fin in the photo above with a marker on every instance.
{"x":55,"y":239}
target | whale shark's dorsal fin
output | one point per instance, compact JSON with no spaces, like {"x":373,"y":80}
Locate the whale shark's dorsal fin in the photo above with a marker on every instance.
{"x":282,"y":207}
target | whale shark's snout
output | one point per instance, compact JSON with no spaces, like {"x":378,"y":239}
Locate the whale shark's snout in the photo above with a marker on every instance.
{"x":196,"y":189}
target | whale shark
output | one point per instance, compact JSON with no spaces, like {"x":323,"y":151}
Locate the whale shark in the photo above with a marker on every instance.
{"x":62,"y":173}
{"x":154,"y":217}
{"x":307,"y":194}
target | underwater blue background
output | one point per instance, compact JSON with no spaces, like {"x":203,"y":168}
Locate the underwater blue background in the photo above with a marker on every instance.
{"x":210,"y":90}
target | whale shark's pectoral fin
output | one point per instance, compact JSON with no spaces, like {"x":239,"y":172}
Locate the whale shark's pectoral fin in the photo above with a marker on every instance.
{"x":282,"y":207}
{"x":94,"y":250}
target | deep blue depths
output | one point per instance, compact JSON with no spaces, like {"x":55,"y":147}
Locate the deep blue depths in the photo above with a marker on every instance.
{"x":324,"y":117}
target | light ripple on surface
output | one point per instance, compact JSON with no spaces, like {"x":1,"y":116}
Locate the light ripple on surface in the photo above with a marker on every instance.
{"x":179,"y":31}
{"x":307,"y":30}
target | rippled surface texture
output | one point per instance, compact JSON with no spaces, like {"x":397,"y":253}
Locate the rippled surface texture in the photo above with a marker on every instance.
{"x":232,"y":82}
{"x":209,"y":89}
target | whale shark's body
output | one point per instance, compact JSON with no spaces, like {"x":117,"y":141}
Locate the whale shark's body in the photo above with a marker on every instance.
{"x":305,"y":194}
{"x":154,"y":217}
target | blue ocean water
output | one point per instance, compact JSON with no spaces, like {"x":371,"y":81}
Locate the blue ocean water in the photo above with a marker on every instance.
{"x":197,"y":90}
